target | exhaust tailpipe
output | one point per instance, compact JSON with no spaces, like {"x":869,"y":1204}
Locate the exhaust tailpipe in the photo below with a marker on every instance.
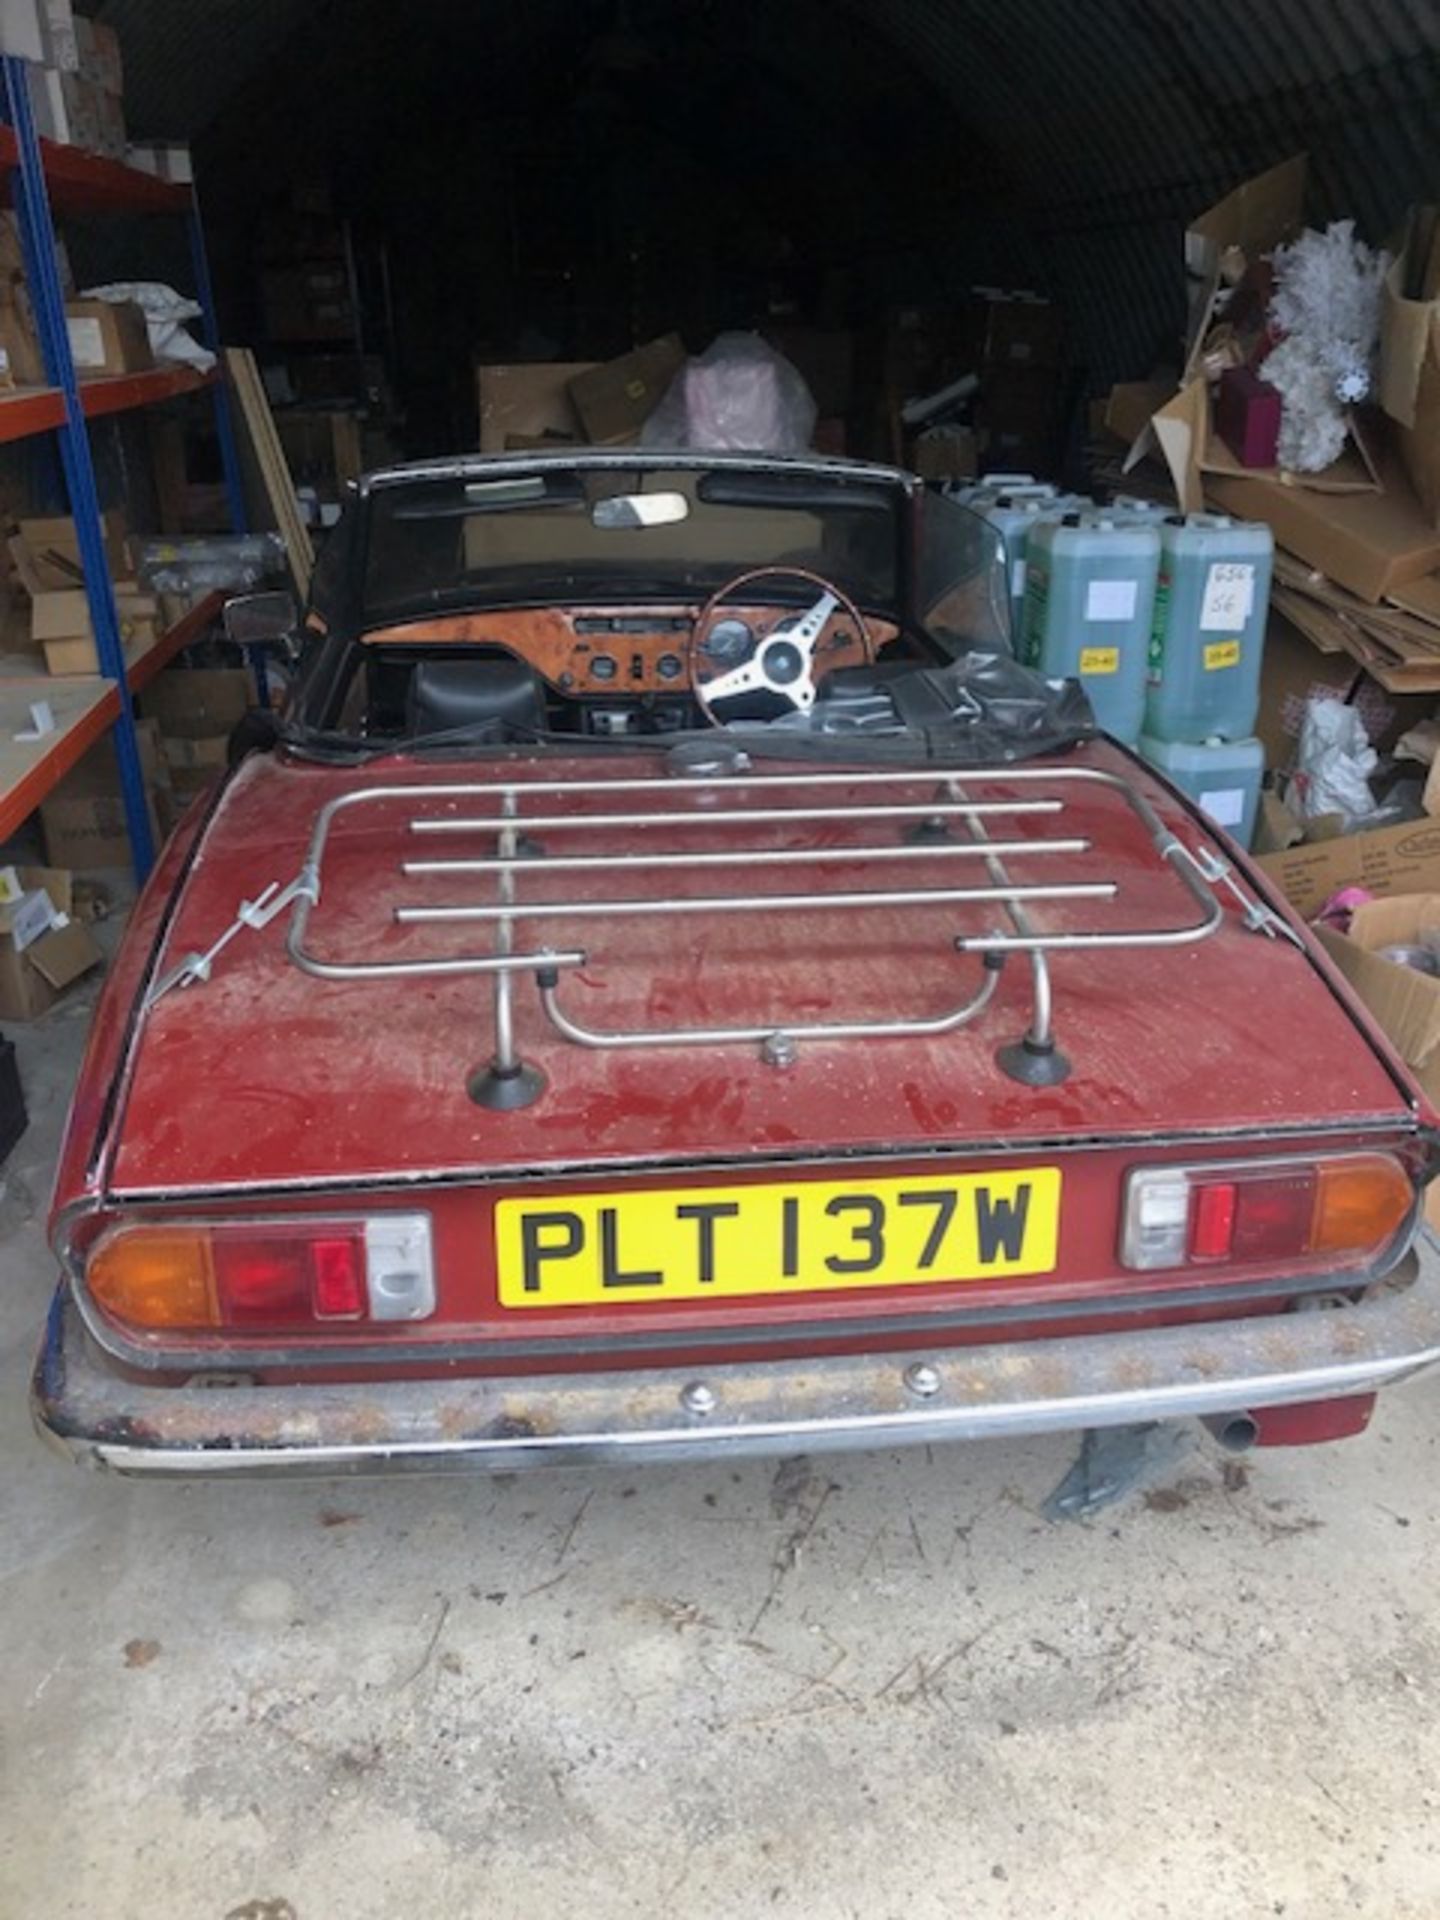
{"x":1235,"y":1432}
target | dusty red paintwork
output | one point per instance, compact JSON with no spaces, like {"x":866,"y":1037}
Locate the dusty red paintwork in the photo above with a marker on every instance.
{"x":267,"y":1077}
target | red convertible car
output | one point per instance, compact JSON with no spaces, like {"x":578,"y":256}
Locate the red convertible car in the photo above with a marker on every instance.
{"x":671,"y":984}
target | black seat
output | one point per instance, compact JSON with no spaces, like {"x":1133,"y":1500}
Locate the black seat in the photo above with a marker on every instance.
{"x":445,"y":694}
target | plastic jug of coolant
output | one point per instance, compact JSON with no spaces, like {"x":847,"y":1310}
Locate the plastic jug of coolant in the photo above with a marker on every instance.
{"x":1209,"y":630}
{"x":1012,"y":516}
{"x":990,"y":486}
{"x":1221,"y":776}
{"x":1089,"y":602}
{"x":1135,"y":511}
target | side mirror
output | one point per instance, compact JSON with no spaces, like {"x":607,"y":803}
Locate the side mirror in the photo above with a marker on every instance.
{"x":263,"y":620}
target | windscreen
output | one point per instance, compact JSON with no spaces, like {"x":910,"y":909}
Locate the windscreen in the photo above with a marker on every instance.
{"x":962,"y":593}
{"x":678,"y":533}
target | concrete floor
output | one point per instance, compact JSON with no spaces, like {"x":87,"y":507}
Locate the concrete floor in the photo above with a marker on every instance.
{"x":872,"y":1686}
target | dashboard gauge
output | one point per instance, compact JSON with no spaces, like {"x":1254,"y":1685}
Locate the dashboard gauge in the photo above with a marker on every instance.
{"x":729,"y":642}
{"x":669,"y":666}
{"x":603,"y":667}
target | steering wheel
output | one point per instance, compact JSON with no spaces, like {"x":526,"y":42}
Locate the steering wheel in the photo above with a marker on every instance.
{"x":783,"y":660}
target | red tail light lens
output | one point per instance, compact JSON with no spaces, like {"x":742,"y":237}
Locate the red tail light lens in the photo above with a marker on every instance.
{"x":262,"y":1283}
{"x":1341,"y":1212}
{"x":1212,"y":1222}
{"x":271,"y":1277}
{"x":338,"y":1278}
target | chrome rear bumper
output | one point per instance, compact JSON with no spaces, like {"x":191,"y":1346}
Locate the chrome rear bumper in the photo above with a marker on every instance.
{"x":754,"y":1407}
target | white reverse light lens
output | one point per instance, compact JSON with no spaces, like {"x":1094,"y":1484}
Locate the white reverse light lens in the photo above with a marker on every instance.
{"x":1157,"y":1220}
{"x":399,"y":1267}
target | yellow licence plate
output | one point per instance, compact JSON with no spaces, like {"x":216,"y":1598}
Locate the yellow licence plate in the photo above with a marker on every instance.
{"x":697,"y":1243}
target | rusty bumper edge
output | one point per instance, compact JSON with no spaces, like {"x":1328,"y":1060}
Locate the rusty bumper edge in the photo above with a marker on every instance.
{"x":1019,"y":1387}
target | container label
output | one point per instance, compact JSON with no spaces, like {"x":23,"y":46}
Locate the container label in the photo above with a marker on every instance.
{"x":1221,"y":653}
{"x":1224,"y":805}
{"x":1037,"y":597}
{"x":1155,"y":655}
{"x":1229,"y":596}
{"x":1099,"y":660}
{"x":1111,"y":599}
{"x":1017,"y":580}
{"x":87,"y":342}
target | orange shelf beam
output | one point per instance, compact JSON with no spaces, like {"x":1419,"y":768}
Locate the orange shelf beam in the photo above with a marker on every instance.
{"x":81,"y":182}
{"x":30,"y":410}
{"x":22,"y":797}
{"x":120,"y":392}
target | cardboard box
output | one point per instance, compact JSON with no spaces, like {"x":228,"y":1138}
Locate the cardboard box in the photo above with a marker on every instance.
{"x":1388,"y":860}
{"x":101,"y":48}
{"x":81,"y":108}
{"x":60,"y":625}
{"x":310,"y":302}
{"x":1410,"y":355}
{"x":1017,"y":411}
{"x":1368,"y":542}
{"x":166,"y":159}
{"x":84,"y":818}
{"x":1184,"y":432}
{"x":210,"y":752}
{"x":22,"y":29}
{"x":1293,"y":673}
{"x":1248,"y":223}
{"x":1024,"y":333}
{"x":47,"y":103}
{"x":107,"y":337}
{"x":528,"y":404}
{"x":61,"y":45}
{"x":34,"y":972}
{"x":46,"y":550}
{"x":615,"y":400}
{"x":824,"y":357}
{"x":20,"y":346}
{"x":91,"y":834}
{"x":194,"y":703}
{"x":926,"y":348}
{"x":945,"y":453}
{"x":1405,"y":1002}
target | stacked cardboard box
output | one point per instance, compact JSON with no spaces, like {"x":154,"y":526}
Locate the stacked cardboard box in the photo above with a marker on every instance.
{"x":83,"y":819}
{"x":1020,"y":383}
{"x":20,"y":361}
{"x":76,"y":79}
{"x":195,"y":709}
{"x":107,"y":337}
{"x":43,"y":945}
{"x":569,"y":403}
{"x":304,"y":277}
{"x":46,"y":555}
{"x":166,"y":159}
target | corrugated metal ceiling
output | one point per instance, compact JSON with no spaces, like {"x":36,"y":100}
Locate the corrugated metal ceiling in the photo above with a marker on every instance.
{"x":1113,"y":120}
{"x":1092,"y":104}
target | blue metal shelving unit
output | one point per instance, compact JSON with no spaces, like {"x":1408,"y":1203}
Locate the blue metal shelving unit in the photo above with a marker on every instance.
{"x":98,"y":185}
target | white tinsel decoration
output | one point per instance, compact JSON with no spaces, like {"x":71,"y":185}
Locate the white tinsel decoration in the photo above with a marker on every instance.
{"x":1327,"y":304}
{"x":1312,"y":421}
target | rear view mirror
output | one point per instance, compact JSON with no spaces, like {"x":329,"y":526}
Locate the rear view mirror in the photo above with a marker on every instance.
{"x":639,"y":510}
{"x":262,"y":620}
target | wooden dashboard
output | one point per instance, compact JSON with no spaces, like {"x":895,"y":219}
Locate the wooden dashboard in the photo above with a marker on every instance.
{"x":617,"y":650}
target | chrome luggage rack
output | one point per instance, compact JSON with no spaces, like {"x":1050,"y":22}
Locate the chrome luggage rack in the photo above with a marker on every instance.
{"x":924,"y":817}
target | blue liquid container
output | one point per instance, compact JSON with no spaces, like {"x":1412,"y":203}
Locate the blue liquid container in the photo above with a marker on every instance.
{"x":1208,"y":638}
{"x":1222,"y":777}
{"x":1089,"y":606}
